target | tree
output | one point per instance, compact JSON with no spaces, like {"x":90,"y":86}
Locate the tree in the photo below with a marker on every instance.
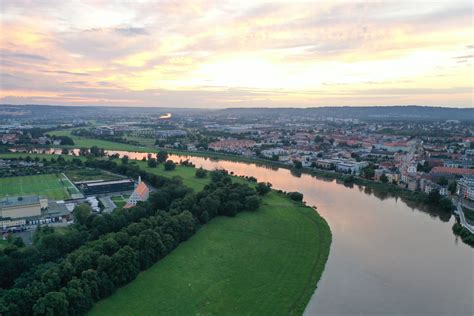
{"x":442,"y":181}
{"x":53,"y":303}
{"x":201,"y":173}
{"x":252,"y":203}
{"x":170,"y":165}
{"x":152,"y":163}
{"x":452,"y":187}
{"x":161,"y":156}
{"x":263,"y":188}
{"x":125,"y":160}
{"x":296,"y":196}
{"x":81,"y":212}
{"x":383,"y":178}
{"x":97,"y":152}
{"x":298,"y":164}
{"x":434,"y":197}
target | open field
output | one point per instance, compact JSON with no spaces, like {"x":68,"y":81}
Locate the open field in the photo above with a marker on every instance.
{"x":264,"y":263}
{"x":51,"y":186}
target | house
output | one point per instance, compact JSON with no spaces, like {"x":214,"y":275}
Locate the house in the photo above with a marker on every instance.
{"x":140,"y":194}
{"x":270,"y":153}
{"x":427,"y":186}
{"x":324,"y":163}
{"x":350,"y":166}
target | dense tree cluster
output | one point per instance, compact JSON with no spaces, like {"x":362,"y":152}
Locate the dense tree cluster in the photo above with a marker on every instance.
{"x":465,"y":234}
{"x":67,"y":273}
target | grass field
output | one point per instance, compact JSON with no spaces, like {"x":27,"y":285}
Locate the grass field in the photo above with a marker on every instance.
{"x":52,"y":186}
{"x":119,"y":201}
{"x":262,"y":263}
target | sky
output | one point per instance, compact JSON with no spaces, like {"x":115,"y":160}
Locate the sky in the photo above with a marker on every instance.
{"x":215,"y":54}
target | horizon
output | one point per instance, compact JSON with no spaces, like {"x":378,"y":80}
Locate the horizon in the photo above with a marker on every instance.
{"x":194,"y":54}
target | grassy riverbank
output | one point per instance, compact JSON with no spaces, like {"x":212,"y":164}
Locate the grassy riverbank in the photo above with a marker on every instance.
{"x":266,"y":263}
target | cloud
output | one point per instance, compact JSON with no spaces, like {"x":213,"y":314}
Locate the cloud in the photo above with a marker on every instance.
{"x":221,"y":53}
{"x":131,"y":31}
{"x":20,"y":55}
{"x":67,"y":72}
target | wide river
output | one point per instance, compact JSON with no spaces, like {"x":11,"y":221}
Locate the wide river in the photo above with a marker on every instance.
{"x":386,"y":258}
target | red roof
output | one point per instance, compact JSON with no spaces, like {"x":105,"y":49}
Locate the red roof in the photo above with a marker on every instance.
{"x":456,"y":171}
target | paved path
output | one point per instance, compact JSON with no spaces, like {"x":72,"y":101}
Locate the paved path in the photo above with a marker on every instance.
{"x":464,"y":223}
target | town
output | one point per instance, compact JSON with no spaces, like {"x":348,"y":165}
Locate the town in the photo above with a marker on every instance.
{"x":418,"y":155}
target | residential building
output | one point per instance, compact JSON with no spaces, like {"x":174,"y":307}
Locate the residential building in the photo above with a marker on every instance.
{"x":465,"y":187}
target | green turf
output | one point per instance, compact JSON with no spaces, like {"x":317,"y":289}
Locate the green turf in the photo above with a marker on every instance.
{"x":52,"y":186}
{"x":119,"y":201}
{"x":262,"y":263}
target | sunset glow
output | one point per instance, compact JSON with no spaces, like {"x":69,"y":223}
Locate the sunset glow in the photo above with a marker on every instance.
{"x":236,"y":53}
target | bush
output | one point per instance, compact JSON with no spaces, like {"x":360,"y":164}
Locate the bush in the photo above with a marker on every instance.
{"x":170,"y":165}
{"x":263,"y":188}
{"x":201,"y":173}
{"x":296,"y":196}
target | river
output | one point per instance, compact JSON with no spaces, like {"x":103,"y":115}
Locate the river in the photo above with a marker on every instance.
{"x":386,"y":258}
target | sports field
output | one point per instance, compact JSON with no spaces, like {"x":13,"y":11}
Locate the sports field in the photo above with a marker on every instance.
{"x":52,"y":186}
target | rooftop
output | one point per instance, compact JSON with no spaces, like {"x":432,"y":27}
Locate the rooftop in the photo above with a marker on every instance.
{"x":18,"y":201}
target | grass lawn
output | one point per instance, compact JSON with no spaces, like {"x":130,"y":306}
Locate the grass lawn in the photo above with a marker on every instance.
{"x":262,"y":263}
{"x":51,"y":186}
